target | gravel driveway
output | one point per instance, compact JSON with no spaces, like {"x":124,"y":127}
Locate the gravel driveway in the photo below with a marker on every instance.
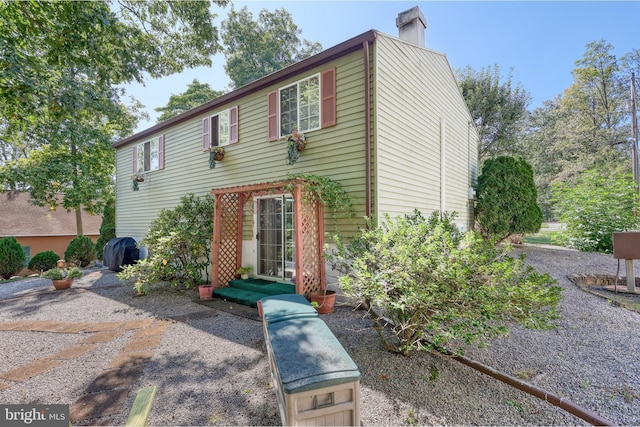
{"x":210,"y":366}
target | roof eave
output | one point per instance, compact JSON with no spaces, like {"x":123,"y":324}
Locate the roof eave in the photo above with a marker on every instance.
{"x":325,"y":56}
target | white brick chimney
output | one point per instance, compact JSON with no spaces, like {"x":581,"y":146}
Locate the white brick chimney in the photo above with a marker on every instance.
{"x":411,"y":26}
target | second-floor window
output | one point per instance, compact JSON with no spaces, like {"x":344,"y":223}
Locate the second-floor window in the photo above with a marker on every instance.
{"x":149,"y":155}
{"x":305,"y":105}
{"x":220,"y":129}
{"x":300,"y":106}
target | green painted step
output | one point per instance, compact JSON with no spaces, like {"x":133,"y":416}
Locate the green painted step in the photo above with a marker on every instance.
{"x":249,"y":292}
{"x":239,"y":296}
{"x":263,"y":286}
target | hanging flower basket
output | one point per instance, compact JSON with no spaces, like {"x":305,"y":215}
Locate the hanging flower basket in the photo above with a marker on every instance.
{"x":215,"y":155}
{"x":218,"y":153}
{"x":135,"y":179}
{"x":295,"y":143}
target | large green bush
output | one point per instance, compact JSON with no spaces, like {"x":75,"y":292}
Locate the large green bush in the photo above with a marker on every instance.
{"x":107,"y":227}
{"x":179,"y":244}
{"x":593,"y":208}
{"x":438,"y":287}
{"x":81,"y":251}
{"x":43,"y":261}
{"x":507,"y":198}
{"x":12,"y":257}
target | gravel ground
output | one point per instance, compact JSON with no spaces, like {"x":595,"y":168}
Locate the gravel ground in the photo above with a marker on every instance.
{"x":211,"y":366}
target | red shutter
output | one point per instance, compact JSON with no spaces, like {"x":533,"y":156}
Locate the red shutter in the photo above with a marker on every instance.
{"x":161,"y":152}
{"x":272,"y":114}
{"x":233,"y":125}
{"x":206,"y":139}
{"x":329,"y":97}
{"x":135,"y":159}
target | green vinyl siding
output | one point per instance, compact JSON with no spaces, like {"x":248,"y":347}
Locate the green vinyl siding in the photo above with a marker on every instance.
{"x":336,"y":152}
{"x":417,"y":99}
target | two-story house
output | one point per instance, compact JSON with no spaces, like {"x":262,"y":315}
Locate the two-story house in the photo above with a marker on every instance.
{"x":383,"y":116}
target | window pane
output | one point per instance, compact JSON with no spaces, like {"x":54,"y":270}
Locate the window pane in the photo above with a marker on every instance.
{"x":147,"y":154}
{"x":223,"y":128}
{"x":140,"y":158}
{"x":309,"y":104}
{"x":288,"y":110}
{"x":154,"y":155}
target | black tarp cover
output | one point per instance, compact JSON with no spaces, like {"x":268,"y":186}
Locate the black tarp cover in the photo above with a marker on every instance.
{"x":120,"y":251}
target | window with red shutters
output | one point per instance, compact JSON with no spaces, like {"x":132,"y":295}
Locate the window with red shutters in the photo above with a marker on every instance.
{"x":305,"y":105}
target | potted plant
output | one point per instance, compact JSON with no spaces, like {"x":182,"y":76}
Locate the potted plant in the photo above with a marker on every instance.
{"x":215,"y":154}
{"x":62,"y":278}
{"x":295,"y":143}
{"x":244,"y":272}
{"x":323,"y":301}
{"x":206,"y":291}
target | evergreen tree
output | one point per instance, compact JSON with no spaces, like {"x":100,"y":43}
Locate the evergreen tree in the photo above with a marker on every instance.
{"x":507,"y":198}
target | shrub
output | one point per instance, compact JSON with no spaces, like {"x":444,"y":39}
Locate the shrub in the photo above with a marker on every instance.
{"x":12,"y":258}
{"x":507,"y":198}
{"x":81,"y":251}
{"x":59,"y":274}
{"x":438,"y":287}
{"x":179,"y":243}
{"x":43,"y":261}
{"x":593,"y":208}
{"x":107,"y":228}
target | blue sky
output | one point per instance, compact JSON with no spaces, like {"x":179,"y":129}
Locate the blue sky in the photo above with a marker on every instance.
{"x":539,"y":40}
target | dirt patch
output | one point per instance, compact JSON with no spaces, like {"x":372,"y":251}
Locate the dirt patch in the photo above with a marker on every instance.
{"x":611,"y":287}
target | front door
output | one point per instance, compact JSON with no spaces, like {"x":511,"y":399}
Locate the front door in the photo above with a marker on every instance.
{"x":275,"y":237}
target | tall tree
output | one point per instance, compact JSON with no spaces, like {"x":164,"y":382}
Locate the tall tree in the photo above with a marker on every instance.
{"x":254,"y":49}
{"x":497,"y":106}
{"x":598,"y":98}
{"x":196,"y":94}
{"x":585,"y":128}
{"x":60,"y":68}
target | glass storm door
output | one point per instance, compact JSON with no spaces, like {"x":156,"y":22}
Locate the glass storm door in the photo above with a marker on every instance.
{"x":275,"y":238}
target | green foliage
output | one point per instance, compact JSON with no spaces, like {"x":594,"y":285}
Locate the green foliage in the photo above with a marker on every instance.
{"x":179,"y":243}
{"x":196,"y":94}
{"x":587,"y":127}
{"x":12,"y":258}
{"x":63,"y":65}
{"x":440,"y":288}
{"x":81,"y":251}
{"x":593,"y":208}
{"x":59,"y":274}
{"x":497,"y":107}
{"x":254,"y":49}
{"x":327,"y":191}
{"x":43,"y":261}
{"x":507,"y":198}
{"x":107,"y":227}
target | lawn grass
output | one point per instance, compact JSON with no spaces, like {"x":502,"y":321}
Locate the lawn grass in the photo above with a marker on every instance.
{"x":540,"y":238}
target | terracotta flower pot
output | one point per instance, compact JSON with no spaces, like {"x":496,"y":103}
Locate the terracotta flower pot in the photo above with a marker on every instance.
{"x":62,"y":284}
{"x":218,"y":156}
{"x":206,"y":292}
{"x":300,"y":146}
{"x":326,"y":301}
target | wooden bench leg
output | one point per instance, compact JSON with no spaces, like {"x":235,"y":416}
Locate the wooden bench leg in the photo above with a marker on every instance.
{"x":141,"y":407}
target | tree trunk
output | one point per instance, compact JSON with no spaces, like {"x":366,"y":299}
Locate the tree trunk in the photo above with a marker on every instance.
{"x":79,"y":220}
